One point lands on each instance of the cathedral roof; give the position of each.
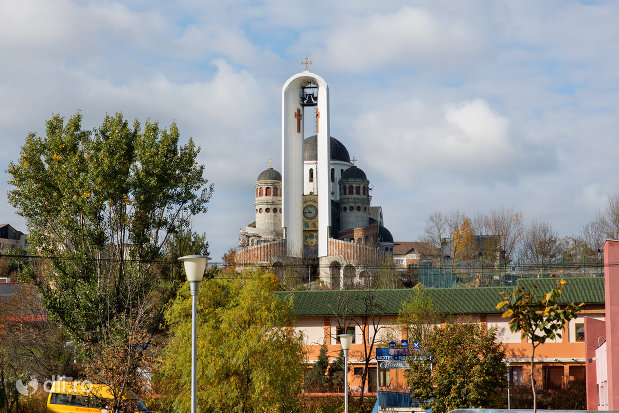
(269, 175)
(338, 150)
(384, 235)
(353, 173)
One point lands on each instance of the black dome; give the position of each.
(269, 175)
(353, 173)
(338, 150)
(384, 235)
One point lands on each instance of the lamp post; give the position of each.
(345, 342)
(194, 268)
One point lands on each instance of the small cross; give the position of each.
(270, 163)
(353, 160)
(299, 116)
(307, 62)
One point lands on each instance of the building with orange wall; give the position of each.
(323, 315)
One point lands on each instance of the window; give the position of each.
(348, 330)
(364, 190)
(268, 193)
(350, 190)
(59, 398)
(274, 191)
(267, 210)
(342, 190)
(358, 371)
(358, 190)
(275, 210)
(515, 375)
(261, 191)
(256, 191)
(399, 262)
(332, 174)
(311, 175)
(580, 332)
(358, 208)
(260, 210)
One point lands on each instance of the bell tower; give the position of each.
(303, 91)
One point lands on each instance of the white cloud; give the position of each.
(409, 36)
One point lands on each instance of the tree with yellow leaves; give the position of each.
(537, 317)
(465, 245)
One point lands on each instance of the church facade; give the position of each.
(316, 216)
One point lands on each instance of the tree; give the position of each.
(418, 315)
(360, 310)
(30, 345)
(249, 359)
(538, 317)
(541, 242)
(464, 368)
(436, 229)
(324, 376)
(465, 246)
(108, 210)
(506, 225)
(387, 278)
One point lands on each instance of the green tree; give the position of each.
(249, 357)
(316, 379)
(418, 314)
(538, 317)
(464, 368)
(104, 209)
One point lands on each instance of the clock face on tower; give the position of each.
(310, 211)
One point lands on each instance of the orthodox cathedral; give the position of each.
(316, 215)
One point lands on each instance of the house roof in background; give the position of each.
(423, 248)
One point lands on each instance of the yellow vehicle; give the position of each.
(76, 396)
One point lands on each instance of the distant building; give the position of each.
(407, 255)
(10, 238)
(316, 216)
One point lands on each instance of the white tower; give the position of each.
(302, 90)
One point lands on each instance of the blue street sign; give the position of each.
(404, 343)
(392, 344)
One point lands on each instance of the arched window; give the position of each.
(342, 190)
(332, 174)
(274, 191)
(350, 190)
(261, 191)
(358, 190)
(364, 190)
(359, 240)
(268, 191)
(256, 192)
(358, 208)
(311, 175)
(267, 210)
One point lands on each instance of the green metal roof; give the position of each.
(481, 300)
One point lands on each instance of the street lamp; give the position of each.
(345, 342)
(194, 268)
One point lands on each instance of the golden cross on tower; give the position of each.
(307, 62)
(270, 163)
(353, 160)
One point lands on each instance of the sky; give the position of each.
(447, 105)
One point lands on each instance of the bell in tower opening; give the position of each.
(309, 95)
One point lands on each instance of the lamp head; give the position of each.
(194, 266)
(345, 341)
